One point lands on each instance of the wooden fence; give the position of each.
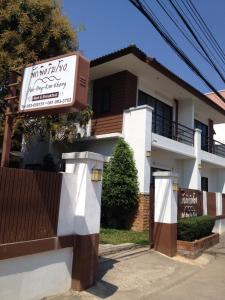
(190, 203)
(29, 204)
(211, 204)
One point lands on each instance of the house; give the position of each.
(169, 124)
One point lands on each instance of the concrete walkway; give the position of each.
(142, 274)
(218, 249)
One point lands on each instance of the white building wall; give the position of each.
(34, 277)
(186, 113)
(220, 133)
(212, 175)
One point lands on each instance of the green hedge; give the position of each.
(190, 229)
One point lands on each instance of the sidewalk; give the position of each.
(218, 248)
(142, 274)
(133, 274)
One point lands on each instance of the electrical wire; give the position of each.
(176, 7)
(147, 13)
(181, 29)
(205, 29)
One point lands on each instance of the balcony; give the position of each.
(214, 147)
(172, 130)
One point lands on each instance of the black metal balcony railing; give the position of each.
(172, 130)
(214, 147)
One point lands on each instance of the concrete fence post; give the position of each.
(219, 226)
(79, 213)
(219, 208)
(165, 227)
(205, 206)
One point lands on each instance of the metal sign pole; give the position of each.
(9, 120)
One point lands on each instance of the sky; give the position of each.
(110, 25)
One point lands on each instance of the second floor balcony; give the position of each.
(183, 134)
(212, 146)
(172, 130)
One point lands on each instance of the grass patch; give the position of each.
(115, 236)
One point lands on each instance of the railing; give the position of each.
(172, 130)
(218, 148)
(213, 146)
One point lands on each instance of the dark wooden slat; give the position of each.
(211, 204)
(29, 204)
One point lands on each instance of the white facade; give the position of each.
(154, 150)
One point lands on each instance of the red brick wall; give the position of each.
(139, 221)
(123, 86)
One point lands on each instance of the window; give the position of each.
(106, 100)
(204, 137)
(204, 184)
(162, 115)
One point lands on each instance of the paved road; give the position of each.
(142, 274)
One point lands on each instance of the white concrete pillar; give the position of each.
(219, 208)
(165, 227)
(79, 213)
(80, 203)
(137, 132)
(195, 179)
(205, 207)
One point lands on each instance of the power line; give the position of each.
(173, 45)
(181, 29)
(197, 21)
(207, 31)
(175, 6)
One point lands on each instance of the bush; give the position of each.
(194, 228)
(120, 187)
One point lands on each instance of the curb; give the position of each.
(119, 248)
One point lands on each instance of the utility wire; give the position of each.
(170, 42)
(181, 29)
(175, 6)
(207, 31)
(206, 36)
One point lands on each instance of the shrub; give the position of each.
(120, 186)
(190, 229)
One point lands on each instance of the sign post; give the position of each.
(53, 86)
(9, 119)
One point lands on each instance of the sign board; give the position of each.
(189, 203)
(56, 85)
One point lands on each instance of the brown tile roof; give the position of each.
(133, 49)
(214, 98)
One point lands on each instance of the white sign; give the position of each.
(49, 84)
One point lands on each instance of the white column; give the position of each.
(195, 180)
(205, 208)
(80, 202)
(219, 208)
(166, 197)
(165, 226)
(137, 132)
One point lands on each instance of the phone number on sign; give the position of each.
(46, 103)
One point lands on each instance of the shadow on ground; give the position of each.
(103, 289)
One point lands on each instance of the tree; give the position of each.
(32, 30)
(120, 186)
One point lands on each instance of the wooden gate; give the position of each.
(29, 204)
